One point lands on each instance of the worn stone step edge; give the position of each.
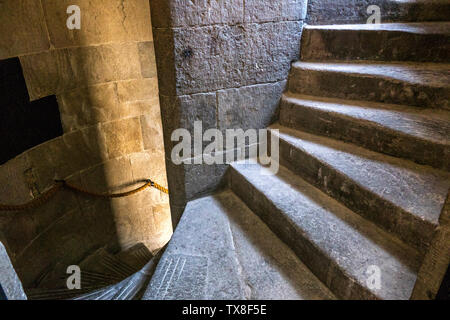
(328, 269)
(386, 213)
(330, 117)
(222, 250)
(412, 84)
(380, 42)
(132, 289)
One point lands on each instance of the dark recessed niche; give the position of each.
(23, 124)
(444, 291)
(2, 294)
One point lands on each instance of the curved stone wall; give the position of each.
(104, 77)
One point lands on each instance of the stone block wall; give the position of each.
(224, 63)
(324, 12)
(104, 78)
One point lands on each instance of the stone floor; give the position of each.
(222, 250)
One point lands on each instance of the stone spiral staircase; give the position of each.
(364, 135)
(364, 146)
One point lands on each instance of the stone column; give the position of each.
(104, 78)
(224, 63)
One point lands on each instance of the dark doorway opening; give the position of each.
(23, 124)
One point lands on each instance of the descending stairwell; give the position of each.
(364, 133)
(105, 276)
(364, 146)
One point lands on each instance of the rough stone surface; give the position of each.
(55, 71)
(152, 132)
(219, 57)
(210, 253)
(188, 13)
(123, 137)
(355, 11)
(380, 105)
(372, 184)
(101, 22)
(66, 248)
(26, 226)
(127, 289)
(141, 218)
(415, 84)
(336, 244)
(106, 276)
(191, 181)
(88, 106)
(382, 42)
(9, 281)
(16, 186)
(64, 156)
(147, 59)
(139, 90)
(22, 19)
(267, 11)
(104, 76)
(200, 240)
(252, 107)
(220, 62)
(165, 59)
(407, 132)
(203, 179)
(181, 113)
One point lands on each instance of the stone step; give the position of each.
(124, 290)
(340, 247)
(106, 276)
(136, 257)
(414, 84)
(103, 294)
(95, 275)
(380, 42)
(221, 250)
(59, 294)
(351, 11)
(101, 262)
(421, 135)
(402, 197)
(132, 288)
(128, 289)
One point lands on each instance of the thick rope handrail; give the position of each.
(62, 184)
(35, 203)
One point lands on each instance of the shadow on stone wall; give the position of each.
(105, 84)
